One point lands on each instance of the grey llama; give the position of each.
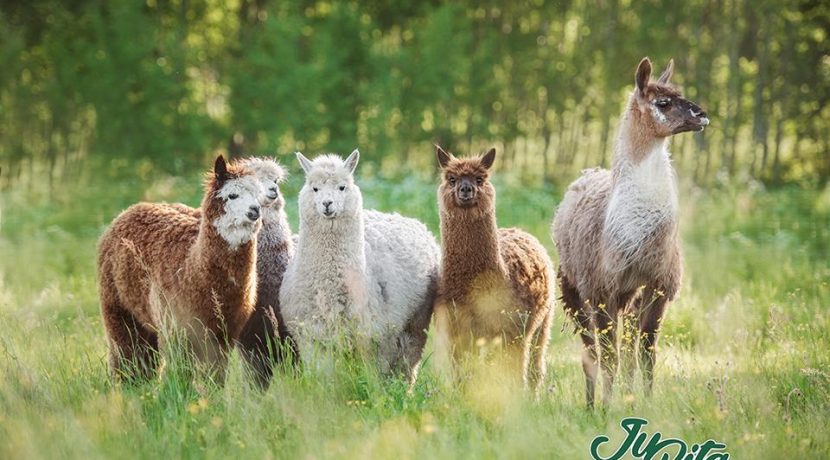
(616, 232)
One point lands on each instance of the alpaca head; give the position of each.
(270, 174)
(232, 202)
(659, 106)
(329, 192)
(464, 181)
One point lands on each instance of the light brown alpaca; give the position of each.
(616, 232)
(495, 284)
(160, 267)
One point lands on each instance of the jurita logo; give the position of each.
(638, 444)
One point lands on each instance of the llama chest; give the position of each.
(641, 214)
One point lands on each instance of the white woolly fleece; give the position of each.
(362, 271)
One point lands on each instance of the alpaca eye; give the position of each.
(233, 196)
(662, 103)
(479, 180)
(342, 187)
(314, 188)
(452, 181)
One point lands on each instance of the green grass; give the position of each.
(744, 358)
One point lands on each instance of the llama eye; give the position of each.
(233, 196)
(342, 187)
(314, 188)
(662, 103)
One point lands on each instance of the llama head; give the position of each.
(329, 191)
(660, 107)
(270, 174)
(465, 181)
(232, 202)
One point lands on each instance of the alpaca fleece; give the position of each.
(367, 275)
(495, 284)
(616, 233)
(159, 267)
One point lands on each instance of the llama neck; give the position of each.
(642, 167)
(643, 196)
(470, 245)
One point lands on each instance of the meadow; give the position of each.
(744, 356)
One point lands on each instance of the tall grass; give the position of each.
(743, 359)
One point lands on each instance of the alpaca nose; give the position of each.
(253, 212)
(326, 204)
(465, 190)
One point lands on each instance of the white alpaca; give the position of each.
(366, 276)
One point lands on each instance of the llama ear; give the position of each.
(220, 168)
(643, 74)
(305, 163)
(444, 158)
(664, 78)
(351, 162)
(488, 158)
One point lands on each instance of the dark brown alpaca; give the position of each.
(496, 284)
(616, 232)
(159, 268)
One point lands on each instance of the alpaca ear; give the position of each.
(488, 158)
(220, 168)
(351, 162)
(664, 78)
(444, 158)
(643, 74)
(305, 163)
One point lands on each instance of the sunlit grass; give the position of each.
(743, 358)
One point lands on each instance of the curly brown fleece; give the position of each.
(495, 284)
(156, 263)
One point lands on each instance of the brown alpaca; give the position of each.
(160, 267)
(616, 232)
(495, 284)
(265, 340)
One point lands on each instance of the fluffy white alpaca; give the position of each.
(365, 276)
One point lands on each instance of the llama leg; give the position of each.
(134, 352)
(651, 316)
(628, 347)
(576, 308)
(607, 341)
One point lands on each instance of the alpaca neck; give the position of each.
(338, 243)
(276, 231)
(470, 245)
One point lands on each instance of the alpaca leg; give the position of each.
(134, 352)
(651, 316)
(443, 347)
(540, 347)
(415, 338)
(259, 345)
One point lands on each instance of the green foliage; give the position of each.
(169, 81)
